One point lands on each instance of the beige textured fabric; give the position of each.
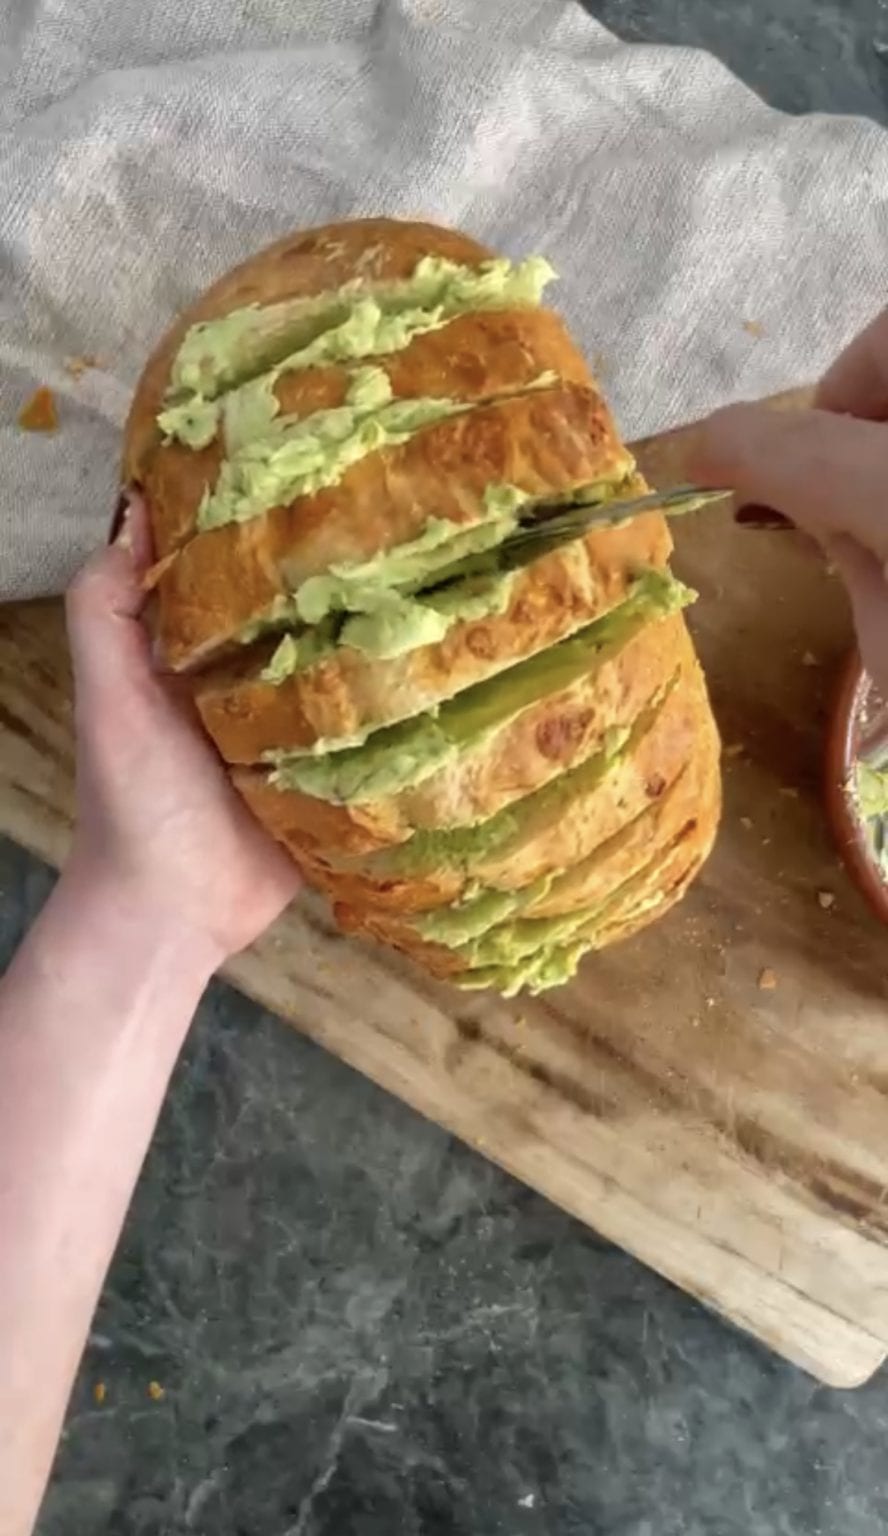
(144, 148)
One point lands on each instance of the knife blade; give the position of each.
(558, 524)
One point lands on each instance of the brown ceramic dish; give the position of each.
(855, 704)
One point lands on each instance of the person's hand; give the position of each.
(827, 470)
(157, 817)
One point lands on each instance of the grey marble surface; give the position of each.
(800, 55)
(362, 1329)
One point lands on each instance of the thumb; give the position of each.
(828, 473)
(867, 587)
(109, 645)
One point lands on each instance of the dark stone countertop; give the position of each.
(363, 1329)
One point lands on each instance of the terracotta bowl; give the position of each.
(854, 704)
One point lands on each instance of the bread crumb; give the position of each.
(734, 750)
(754, 328)
(767, 980)
(77, 366)
(789, 792)
(745, 821)
(826, 899)
(810, 660)
(100, 1392)
(39, 414)
(156, 1392)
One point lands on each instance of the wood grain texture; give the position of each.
(734, 1138)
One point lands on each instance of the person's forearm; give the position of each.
(93, 1012)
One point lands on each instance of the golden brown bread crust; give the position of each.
(548, 738)
(552, 441)
(678, 847)
(545, 443)
(550, 842)
(347, 692)
(690, 804)
(694, 797)
(301, 265)
(474, 357)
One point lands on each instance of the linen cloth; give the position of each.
(710, 247)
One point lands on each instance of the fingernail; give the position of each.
(118, 529)
(753, 515)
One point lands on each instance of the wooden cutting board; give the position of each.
(733, 1137)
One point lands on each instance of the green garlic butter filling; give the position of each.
(467, 848)
(470, 569)
(356, 321)
(293, 458)
(538, 954)
(403, 756)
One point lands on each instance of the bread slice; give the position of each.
(301, 266)
(691, 798)
(348, 693)
(549, 736)
(548, 831)
(475, 357)
(651, 897)
(621, 898)
(544, 443)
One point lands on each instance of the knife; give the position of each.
(556, 524)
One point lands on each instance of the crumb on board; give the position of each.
(746, 823)
(156, 1392)
(100, 1392)
(767, 980)
(789, 792)
(78, 366)
(754, 328)
(826, 900)
(39, 414)
(734, 750)
(810, 660)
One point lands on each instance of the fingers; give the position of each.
(857, 382)
(867, 588)
(828, 473)
(109, 645)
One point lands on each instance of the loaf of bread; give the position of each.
(495, 762)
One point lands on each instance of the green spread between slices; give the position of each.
(411, 595)
(444, 550)
(539, 973)
(482, 910)
(345, 325)
(465, 848)
(542, 953)
(520, 938)
(391, 624)
(404, 755)
(297, 457)
(273, 460)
